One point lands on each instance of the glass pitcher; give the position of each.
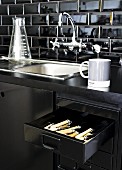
(19, 47)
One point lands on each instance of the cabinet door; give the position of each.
(17, 106)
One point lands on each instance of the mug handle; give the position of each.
(83, 64)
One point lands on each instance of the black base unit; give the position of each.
(70, 147)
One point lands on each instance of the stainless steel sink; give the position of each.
(56, 70)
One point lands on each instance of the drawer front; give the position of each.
(108, 146)
(50, 142)
(90, 167)
(84, 167)
(67, 163)
(102, 159)
(72, 148)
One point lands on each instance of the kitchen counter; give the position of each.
(76, 86)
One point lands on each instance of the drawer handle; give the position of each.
(48, 147)
(50, 142)
(60, 168)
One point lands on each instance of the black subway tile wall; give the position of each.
(32, 8)
(96, 21)
(15, 10)
(7, 1)
(3, 10)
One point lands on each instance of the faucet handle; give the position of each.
(55, 44)
(97, 48)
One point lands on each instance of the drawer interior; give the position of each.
(79, 150)
(85, 120)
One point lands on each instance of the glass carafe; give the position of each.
(19, 48)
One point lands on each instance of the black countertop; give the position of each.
(76, 86)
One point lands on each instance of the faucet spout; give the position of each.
(71, 21)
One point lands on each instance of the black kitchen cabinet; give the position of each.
(24, 113)
(67, 146)
(97, 154)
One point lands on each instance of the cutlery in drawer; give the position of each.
(58, 126)
(69, 130)
(81, 136)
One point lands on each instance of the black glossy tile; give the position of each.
(67, 31)
(48, 8)
(89, 5)
(111, 32)
(3, 30)
(117, 45)
(68, 6)
(117, 19)
(3, 10)
(32, 30)
(39, 42)
(48, 31)
(4, 50)
(7, 1)
(35, 42)
(15, 9)
(112, 5)
(34, 52)
(100, 19)
(91, 32)
(40, 0)
(43, 42)
(31, 8)
(23, 1)
(6, 40)
(7, 20)
(40, 19)
(53, 19)
(80, 19)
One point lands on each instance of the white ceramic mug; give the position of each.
(98, 72)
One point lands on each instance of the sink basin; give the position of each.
(56, 70)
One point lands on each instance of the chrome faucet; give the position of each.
(71, 44)
(71, 21)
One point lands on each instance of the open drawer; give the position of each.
(76, 149)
